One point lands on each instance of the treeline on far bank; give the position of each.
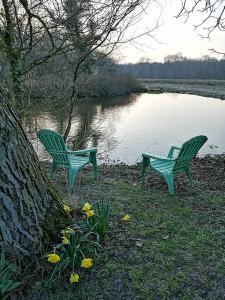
(177, 67)
(51, 82)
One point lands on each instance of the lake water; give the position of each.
(124, 127)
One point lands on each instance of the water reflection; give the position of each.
(89, 127)
(124, 127)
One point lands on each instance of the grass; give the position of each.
(171, 248)
(206, 88)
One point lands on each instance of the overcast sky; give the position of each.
(173, 36)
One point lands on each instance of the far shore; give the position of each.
(205, 88)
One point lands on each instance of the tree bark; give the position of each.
(30, 209)
(13, 54)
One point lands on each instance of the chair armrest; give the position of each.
(82, 151)
(157, 157)
(170, 154)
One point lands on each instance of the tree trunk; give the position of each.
(13, 54)
(30, 209)
(69, 123)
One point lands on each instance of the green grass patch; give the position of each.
(171, 248)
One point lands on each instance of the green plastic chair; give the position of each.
(167, 166)
(63, 157)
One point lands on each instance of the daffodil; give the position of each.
(66, 208)
(67, 231)
(86, 207)
(126, 218)
(53, 258)
(89, 213)
(86, 263)
(65, 240)
(74, 277)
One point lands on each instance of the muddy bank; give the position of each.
(207, 172)
(205, 88)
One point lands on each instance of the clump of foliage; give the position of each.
(80, 242)
(7, 270)
(76, 246)
(99, 222)
(110, 84)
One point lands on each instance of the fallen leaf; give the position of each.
(139, 243)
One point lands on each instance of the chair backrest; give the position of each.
(189, 150)
(54, 144)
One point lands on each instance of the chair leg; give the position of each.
(72, 177)
(170, 183)
(53, 169)
(145, 163)
(188, 173)
(93, 160)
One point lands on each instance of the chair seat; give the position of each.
(78, 161)
(162, 166)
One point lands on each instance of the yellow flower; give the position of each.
(74, 277)
(66, 208)
(67, 231)
(63, 232)
(53, 258)
(86, 207)
(126, 218)
(65, 240)
(89, 213)
(86, 263)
